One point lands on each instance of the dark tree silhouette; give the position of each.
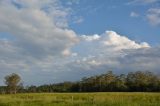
(139, 81)
(12, 81)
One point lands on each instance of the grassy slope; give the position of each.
(81, 99)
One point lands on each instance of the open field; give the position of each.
(81, 99)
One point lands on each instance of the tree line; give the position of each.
(139, 81)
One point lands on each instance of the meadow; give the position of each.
(81, 99)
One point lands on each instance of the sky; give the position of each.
(50, 41)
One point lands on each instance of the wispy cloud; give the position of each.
(134, 14)
(153, 16)
(72, 2)
(142, 2)
(78, 20)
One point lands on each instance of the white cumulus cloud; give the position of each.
(90, 37)
(34, 29)
(119, 42)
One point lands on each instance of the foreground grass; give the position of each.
(81, 99)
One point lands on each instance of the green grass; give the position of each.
(81, 99)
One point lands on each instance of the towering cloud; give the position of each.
(121, 42)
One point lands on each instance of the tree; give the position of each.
(120, 83)
(12, 81)
(109, 79)
(142, 81)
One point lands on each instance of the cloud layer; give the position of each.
(43, 49)
(38, 34)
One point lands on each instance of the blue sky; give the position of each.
(101, 15)
(48, 41)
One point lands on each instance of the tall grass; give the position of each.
(81, 99)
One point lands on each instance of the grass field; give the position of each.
(81, 99)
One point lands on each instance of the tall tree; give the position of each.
(12, 81)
